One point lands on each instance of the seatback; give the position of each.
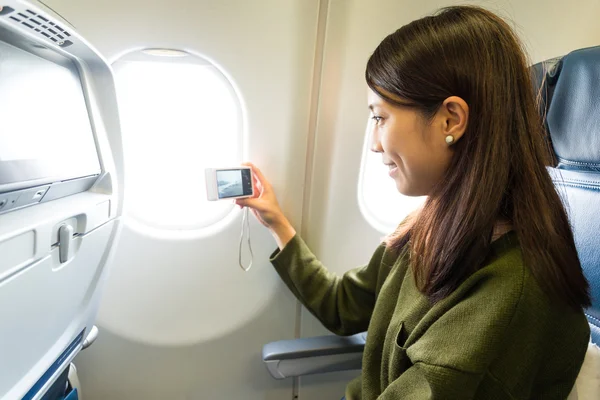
(570, 91)
(59, 221)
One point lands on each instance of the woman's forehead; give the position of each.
(382, 97)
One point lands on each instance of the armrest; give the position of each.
(289, 358)
(90, 338)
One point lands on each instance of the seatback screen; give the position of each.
(45, 130)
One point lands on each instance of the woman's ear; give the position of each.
(455, 114)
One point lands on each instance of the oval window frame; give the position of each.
(142, 227)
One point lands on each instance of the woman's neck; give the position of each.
(502, 226)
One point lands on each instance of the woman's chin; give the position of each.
(407, 190)
(402, 187)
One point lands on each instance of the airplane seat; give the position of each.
(570, 90)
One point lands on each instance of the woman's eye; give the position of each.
(376, 118)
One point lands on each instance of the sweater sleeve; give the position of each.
(343, 304)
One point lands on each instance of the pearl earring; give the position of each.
(449, 139)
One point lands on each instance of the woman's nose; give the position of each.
(376, 143)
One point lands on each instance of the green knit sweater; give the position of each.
(495, 337)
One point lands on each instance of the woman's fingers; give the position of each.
(263, 204)
(258, 188)
(258, 174)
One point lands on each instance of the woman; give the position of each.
(479, 294)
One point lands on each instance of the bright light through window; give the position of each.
(177, 118)
(381, 203)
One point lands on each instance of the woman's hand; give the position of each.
(266, 209)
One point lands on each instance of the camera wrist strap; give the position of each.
(245, 227)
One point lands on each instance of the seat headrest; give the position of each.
(572, 107)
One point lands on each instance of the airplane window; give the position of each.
(379, 200)
(179, 115)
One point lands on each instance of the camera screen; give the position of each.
(234, 183)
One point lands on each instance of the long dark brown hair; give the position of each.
(498, 170)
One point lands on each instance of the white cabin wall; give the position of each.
(335, 228)
(179, 319)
